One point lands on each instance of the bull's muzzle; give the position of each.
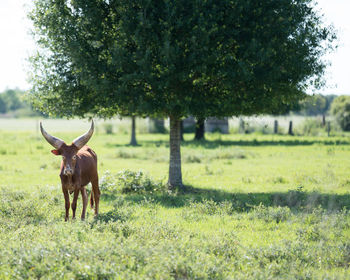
(68, 171)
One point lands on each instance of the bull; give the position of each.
(78, 168)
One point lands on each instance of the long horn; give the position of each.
(83, 139)
(55, 142)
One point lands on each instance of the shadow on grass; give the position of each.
(212, 144)
(257, 142)
(295, 199)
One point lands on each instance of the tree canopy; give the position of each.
(175, 57)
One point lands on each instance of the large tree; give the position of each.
(175, 58)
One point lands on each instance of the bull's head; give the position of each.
(68, 152)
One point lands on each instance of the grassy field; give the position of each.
(254, 207)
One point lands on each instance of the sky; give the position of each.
(16, 45)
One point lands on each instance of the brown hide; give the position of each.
(85, 165)
(84, 171)
(78, 168)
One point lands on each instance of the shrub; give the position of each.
(311, 127)
(257, 128)
(108, 183)
(231, 154)
(128, 181)
(126, 154)
(108, 127)
(131, 181)
(210, 207)
(193, 159)
(269, 214)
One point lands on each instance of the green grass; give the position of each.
(254, 207)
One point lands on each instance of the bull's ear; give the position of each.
(56, 152)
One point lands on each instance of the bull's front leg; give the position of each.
(85, 202)
(66, 202)
(74, 203)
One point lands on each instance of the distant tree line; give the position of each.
(314, 105)
(14, 104)
(336, 106)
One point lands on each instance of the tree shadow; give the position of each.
(213, 144)
(260, 142)
(241, 202)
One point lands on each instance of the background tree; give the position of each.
(340, 109)
(313, 105)
(199, 129)
(317, 104)
(175, 58)
(11, 100)
(329, 100)
(3, 106)
(13, 103)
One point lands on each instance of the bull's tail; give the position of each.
(92, 199)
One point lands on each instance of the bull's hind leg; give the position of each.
(96, 191)
(85, 202)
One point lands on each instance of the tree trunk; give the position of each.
(182, 130)
(328, 128)
(275, 127)
(133, 141)
(323, 119)
(290, 129)
(175, 176)
(199, 134)
(241, 128)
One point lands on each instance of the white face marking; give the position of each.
(69, 161)
(68, 170)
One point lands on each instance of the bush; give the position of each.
(193, 159)
(311, 127)
(108, 127)
(128, 181)
(138, 182)
(271, 214)
(108, 183)
(257, 128)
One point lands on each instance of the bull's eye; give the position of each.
(74, 157)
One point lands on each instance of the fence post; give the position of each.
(275, 127)
(241, 126)
(290, 129)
